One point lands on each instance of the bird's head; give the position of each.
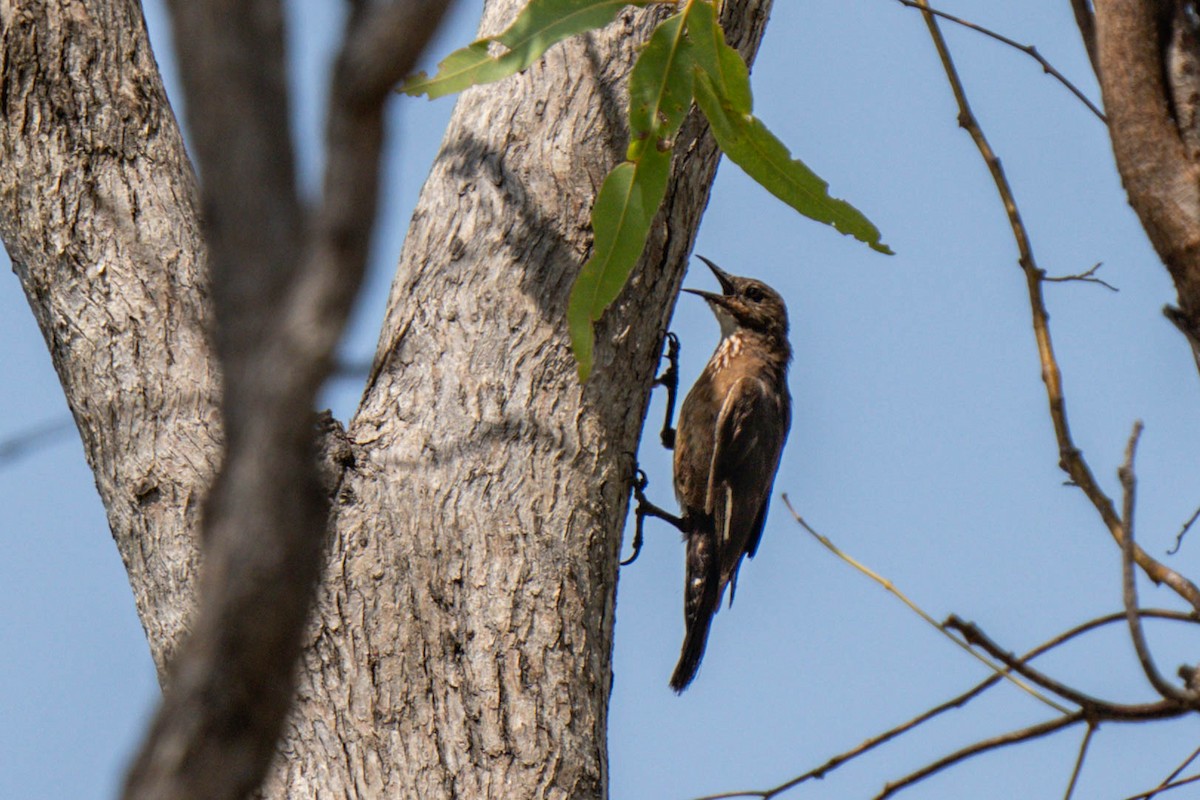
(745, 303)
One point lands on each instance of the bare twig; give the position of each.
(1166, 787)
(1083, 748)
(1129, 585)
(1183, 532)
(1095, 707)
(1084, 277)
(1070, 458)
(1027, 49)
(1013, 737)
(955, 702)
(1167, 781)
(1117, 616)
(870, 744)
(920, 612)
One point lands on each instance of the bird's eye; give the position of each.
(754, 294)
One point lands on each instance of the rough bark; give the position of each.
(1146, 56)
(462, 645)
(98, 210)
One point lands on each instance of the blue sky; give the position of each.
(920, 441)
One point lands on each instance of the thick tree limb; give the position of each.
(99, 212)
(1161, 176)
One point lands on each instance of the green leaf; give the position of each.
(660, 87)
(541, 24)
(748, 143)
(723, 65)
(621, 219)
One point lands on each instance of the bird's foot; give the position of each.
(643, 509)
(670, 379)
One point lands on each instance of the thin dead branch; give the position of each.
(986, 745)
(1083, 748)
(1070, 458)
(956, 702)
(1027, 49)
(1167, 782)
(1166, 787)
(1156, 711)
(916, 609)
(1095, 707)
(23, 442)
(1183, 532)
(1129, 585)
(1083, 277)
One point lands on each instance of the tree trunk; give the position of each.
(462, 642)
(463, 645)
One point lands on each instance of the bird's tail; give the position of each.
(700, 601)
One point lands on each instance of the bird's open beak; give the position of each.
(722, 276)
(725, 281)
(716, 298)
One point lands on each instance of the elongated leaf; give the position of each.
(748, 143)
(621, 219)
(723, 65)
(540, 24)
(660, 86)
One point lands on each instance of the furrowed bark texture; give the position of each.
(462, 643)
(1147, 67)
(463, 646)
(98, 211)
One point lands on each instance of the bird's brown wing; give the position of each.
(747, 443)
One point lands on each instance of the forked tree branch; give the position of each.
(1100, 708)
(1027, 49)
(1070, 458)
(1166, 787)
(1095, 707)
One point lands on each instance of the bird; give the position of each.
(731, 432)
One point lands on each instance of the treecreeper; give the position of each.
(731, 432)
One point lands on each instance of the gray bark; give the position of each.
(462, 642)
(98, 211)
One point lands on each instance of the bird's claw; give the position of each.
(670, 379)
(640, 482)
